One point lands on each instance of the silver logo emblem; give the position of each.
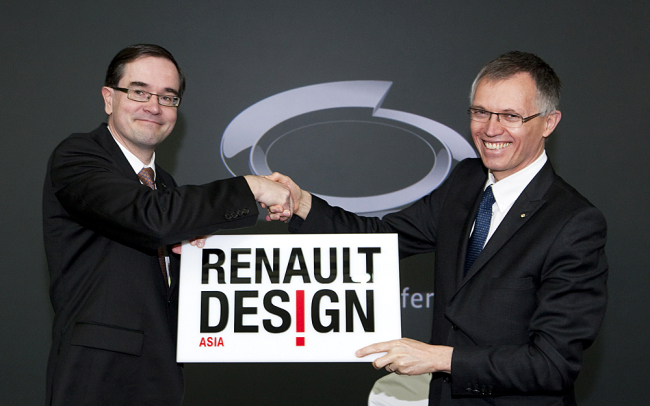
(244, 133)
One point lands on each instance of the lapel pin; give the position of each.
(523, 215)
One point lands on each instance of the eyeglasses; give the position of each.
(142, 96)
(506, 119)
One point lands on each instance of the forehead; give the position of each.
(517, 92)
(155, 72)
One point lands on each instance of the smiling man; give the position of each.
(504, 143)
(520, 267)
(110, 217)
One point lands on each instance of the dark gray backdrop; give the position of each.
(54, 56)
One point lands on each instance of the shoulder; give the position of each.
(96, 140)
(82, 154)
(567, 205)
(470, 166)
(468, 175)
(562, 192)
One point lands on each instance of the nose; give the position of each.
(493, 126)
(152, 105)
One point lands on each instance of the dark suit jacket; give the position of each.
(114, 330)
(531, 303)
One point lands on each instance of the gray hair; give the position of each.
(547, 83)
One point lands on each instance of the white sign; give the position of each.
(288, 298)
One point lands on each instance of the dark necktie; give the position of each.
(146, 177)
(481, 228)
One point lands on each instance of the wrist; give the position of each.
(254, 185)
(445, 359)
(304, 206)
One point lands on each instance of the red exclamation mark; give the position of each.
(300, 317)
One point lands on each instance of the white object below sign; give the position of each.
(288, 298)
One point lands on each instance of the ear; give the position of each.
(552, 121)
(107, 94)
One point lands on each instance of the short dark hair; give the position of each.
(547, 83)
(115, 70)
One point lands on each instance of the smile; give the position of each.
(496, 145)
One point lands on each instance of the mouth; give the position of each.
(149, 122)
(496, 145)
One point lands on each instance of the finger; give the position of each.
(278, 177)
(375, 348)
(382, 362)
(176, 249)
(200, 241)
(276, 209)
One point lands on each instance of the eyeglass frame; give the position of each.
(125, 90)
(523, 119)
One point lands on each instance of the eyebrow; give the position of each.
(474, 106)
(142, 84)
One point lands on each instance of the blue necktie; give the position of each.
(481, 228)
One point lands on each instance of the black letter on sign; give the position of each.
(296, 253)
(368, 322)
(221, 258)
(235, 265)
(317, 266)
(333, 313)
(205, 311)
(346, 266)
(369, 264)
(273, 309)
(240, 311)
(260, 257)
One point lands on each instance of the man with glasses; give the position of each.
(520, 268)
(110, 216)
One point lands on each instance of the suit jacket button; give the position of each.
(228, 216)
(454, 327)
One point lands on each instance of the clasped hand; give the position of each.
(271, 194)
(300, 200)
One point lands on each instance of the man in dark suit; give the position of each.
(110, 215)
(511, 320)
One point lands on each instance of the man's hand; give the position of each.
(301, 199)
(410, 357)
(271, 194)
(198, 241)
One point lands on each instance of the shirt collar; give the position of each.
(507, 190)
(136, 164)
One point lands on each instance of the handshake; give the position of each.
(280, 196)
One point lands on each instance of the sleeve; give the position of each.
(571, 305)
(96, 193)
(415, 225)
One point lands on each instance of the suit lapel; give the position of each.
(463, 240)
(524, 208)
(104, 138)
(163, 182)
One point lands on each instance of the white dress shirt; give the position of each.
(506, 191)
